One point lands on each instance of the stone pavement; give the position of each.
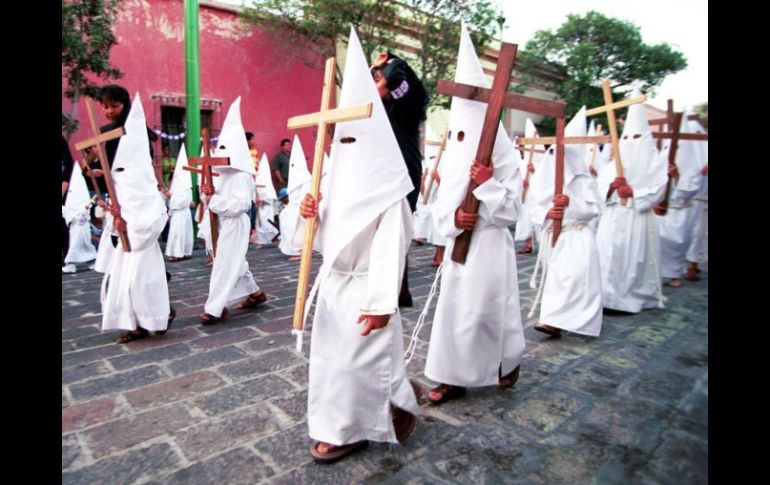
(226, 404)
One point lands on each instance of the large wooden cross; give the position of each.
(609, 108)
(496, 98)
(322, 120)
(675, 136)
(206, 162)
(98, 140)
(441, 144)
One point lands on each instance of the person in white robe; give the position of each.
(698, 251)
(298, 185)
(358, 388)
(77, 215)
(526, 230)
(476, 338)
(597, 156)
(266, 230)
(179, 243)
(570, 289)
(627, 237)
(134, 291)
(231, 279)
(675, 227)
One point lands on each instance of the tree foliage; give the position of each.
(310, 30)
(87, 38)
(591, 48)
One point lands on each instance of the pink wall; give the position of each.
(235, 59)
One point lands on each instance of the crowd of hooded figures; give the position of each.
(615, 248)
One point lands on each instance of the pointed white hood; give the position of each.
(642, 166)
(232, 142)
(542, 182)
(466, 119)
(299, 176)
(132, 171)
(182, 180)
(77, 196)
(367, 173)
(267, 191)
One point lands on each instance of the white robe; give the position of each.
(629, 252)
(179, 242)
(135, 290)
(572, 292)
(231, 279)
(698, 252)
(204, 228)
(104, 254)
(265, 231)
(477, 324)
(81, 250)
(675, 230)
(289, 219)
(353, 380)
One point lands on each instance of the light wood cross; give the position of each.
(441, 143)
(609, 108)
(206, 162)
(98, 140)
(322, 120)
(496, 98)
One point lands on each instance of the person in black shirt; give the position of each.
(406, 102)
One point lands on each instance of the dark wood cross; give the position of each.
(610, 107)
(675, 136)
(98, 141)
(496, 98)
(560, 142)
(206, 162)
(322, 119)
(441, 144)
(666, 120)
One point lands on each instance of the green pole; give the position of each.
(192, 87)
(192, 78)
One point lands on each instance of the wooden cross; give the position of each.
(98, 141)
(321, 119)
(566, 140)
(666, 120)
(206, 162)
(84, 166)
(441, 143)
(532, 150)
(675, 136)
(609, 108)
(496, 98)
(595, 149)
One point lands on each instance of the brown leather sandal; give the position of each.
(208, 319)
(132, 335)
(336, 452)
(447, 392)
(510, 379)
(254, 300)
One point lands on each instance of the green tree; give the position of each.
(319, 25)
(589, 49)
(87, 37)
